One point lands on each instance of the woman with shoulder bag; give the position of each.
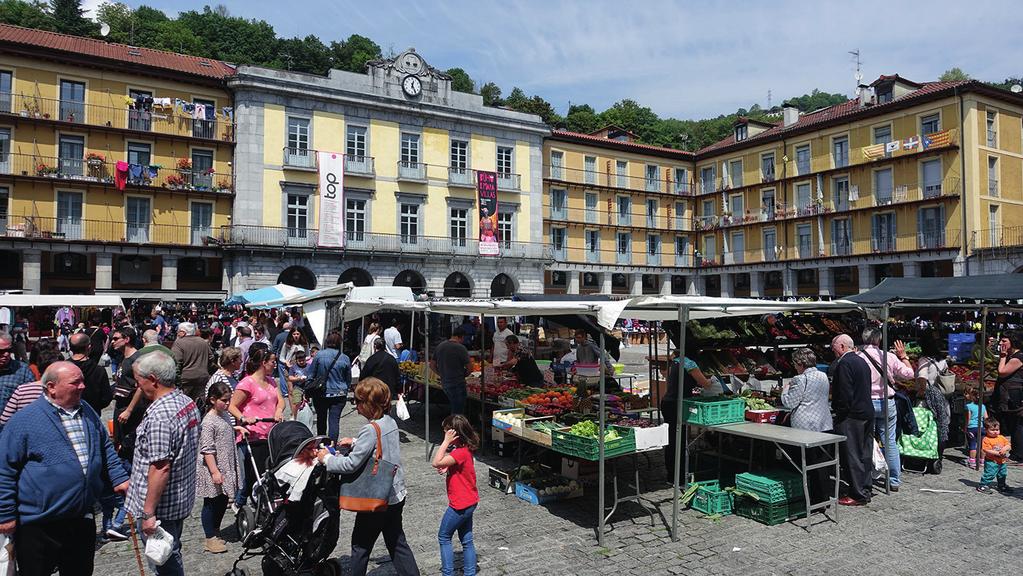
(1009, 399)
(373, 401)
(930, 373)
(330, 376)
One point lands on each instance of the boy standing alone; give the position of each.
(995, 448)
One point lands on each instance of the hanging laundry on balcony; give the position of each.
(892, 146)
(121, 174)
(873, 152)
(210, 112)
(135, 172)
(943, 138)
(911, 143)
(199, 111)
(228, 113)
(128, 100)
(152, 172)
(162, 102)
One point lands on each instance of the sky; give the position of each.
(687, 60)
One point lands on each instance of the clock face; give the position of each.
(412, 86)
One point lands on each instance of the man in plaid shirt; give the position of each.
(166, 452)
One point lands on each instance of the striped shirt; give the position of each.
(22, 397)
(75, 428)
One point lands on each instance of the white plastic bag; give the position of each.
(401, 408)
(356, 372)
(880, 464)
(159, 546)
(715, 388)
(7, 562)
(307, 416)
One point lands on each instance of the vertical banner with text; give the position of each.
(332, 220)
(486, 186)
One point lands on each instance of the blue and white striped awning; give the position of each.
(278, 292)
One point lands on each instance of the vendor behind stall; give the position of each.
(521, 363)
(693, 379)
(562, 362)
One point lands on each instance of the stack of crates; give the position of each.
(770, 498)
(712, 500)
(960, 345)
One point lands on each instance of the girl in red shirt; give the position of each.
(454, 459)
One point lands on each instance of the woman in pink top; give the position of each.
(257, 396)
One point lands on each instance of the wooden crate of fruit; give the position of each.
(539, 436)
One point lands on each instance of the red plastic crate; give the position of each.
(763, 416)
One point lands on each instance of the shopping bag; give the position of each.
(401, 408)
(369, 489)
(7, 563)
(880, 464)
(159, 546)
(307, 416)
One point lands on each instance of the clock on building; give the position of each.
(412, 86)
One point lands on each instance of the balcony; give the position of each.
(558, 212)
(653, 259)
(299, 158)
(165, 121)
(284, 237)
(104, 231)
(411, 171)
(841, 248)
(842, 160)
(932, 191)
(998, 237)
(614, 180)
(931, 239)
(653, 185)
(992, 138)
(592, 255)
(508, 181)
(462, 177)
(102, 172)
(992, 187)
(359, 165)
(623, 256)
(559, 252)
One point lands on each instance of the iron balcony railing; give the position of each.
(105, 231)
(170, 121)
(461, 177)
(299, 157)
(359, 165)
(415, 171)
(997, 237)
(301, 237)
(508, 181)
(663, 184)
(102, 171)
(992, 187)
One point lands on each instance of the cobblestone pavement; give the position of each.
(907, 532)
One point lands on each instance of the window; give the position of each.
(651, 213)
(69, 215)
(992, 131)
(680, 215)
(735, 173)
(707, 179)
(5, 152)
(207, 127)
(740, 132)
(624, 247)
(840, 151)
(355, 219)
(930, 124)
(459, 163)
(993, 225)
(592, 246)
(885, 93)
(557, 164)
(652, 183)
(140, 154)
(591, 200)
(736, 206)
(803, 159)
(590, 167)
(298, 216)
(140, 119)
(681, 181)
(710, 248)
(409, 149)
(137, 216)
(882, 134)
(804, 240)
(558, 199)
(355, 141)
(770, 243)
(738, 247)
(5, 197)
(840, 193)
(558, 242)
(653, 249)
(767, 167)
(681, 250)
(202, 169)
(803, 198)
(459, 227)
(992, 176)
(882, 232)
(931, 172)
(767, 203)
(72, 155)
(298, 137)
(624, 211)
(408, 223)
(622, 173)
(505, 226)
(883, 187)
(841, 241)
(931, 227)
(202, 221)
(707, 213)
(6, 85)
(504, 160)
(72, 101)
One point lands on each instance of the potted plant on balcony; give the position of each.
(44, 170)
(223, 185)
(184, 163)
(95, 159)
(175, 181)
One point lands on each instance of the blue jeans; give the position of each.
(457, 395)
(213, 510)
(174, 565)
(886, 435)
(992, 470)
(328, 414)
(460, 520)
(114, 500)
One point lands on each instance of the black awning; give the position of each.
(994, 289)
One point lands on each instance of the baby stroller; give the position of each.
(921, 449)
(294, 536)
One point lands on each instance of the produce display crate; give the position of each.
(518, 412)
(772, 487)
(763, 416)
(535, 435)
(589, 449)
(712, 500)
(713, 410)
(654, 437)
(770, 514)
(528, 492)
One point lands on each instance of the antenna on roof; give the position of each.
(859, 74)
(104, 29)
(769, 99)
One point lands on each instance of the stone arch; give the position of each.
(411, 278)
(357, 276)
(298, 276)
(457, 285)
(503, 286)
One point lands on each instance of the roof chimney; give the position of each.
(790, 114)
(863, 92)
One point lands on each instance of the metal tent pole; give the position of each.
(982, 388)
(683, 318)
(884, 392)
(654, 333)
(600, 445)
(483, 391)
(426, 385)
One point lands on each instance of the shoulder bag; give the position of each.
(368, 489)
(319, 385)
(946, 380)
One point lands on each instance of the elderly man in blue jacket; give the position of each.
(56, 460)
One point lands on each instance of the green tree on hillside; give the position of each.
(491, 94)
(233, 39)
(69, 18)
(460, 80)
(954, 75)
(28, 14)
(302, 55)
(353, 53)
(582, 118)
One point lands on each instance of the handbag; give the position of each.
(946, 381)
(369, 489)
(319, 385)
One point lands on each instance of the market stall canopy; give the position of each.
(264, 294)
(700, 307)
(992, 289)
(297, 299)
(55, 300)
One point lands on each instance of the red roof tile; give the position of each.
(16, 36)
(847, 111)
(623, 145)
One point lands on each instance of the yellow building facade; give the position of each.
(109, 179)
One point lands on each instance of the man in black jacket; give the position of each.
(382, 365)
(854, 419)
(98, 392)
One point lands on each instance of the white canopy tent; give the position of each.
(54, 300)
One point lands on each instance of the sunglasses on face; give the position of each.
(5, 350)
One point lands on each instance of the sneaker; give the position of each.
(984, 489)
(116, 534)
(970, 462)
(215, 546)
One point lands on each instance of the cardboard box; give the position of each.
(501, 480)
(578, 469)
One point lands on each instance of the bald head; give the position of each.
(841, 344)
(64, 384)
(80, 343)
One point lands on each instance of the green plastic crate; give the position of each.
(711, 500)
(770, 514)
(589, 449)
(713, 410)
(772, 487)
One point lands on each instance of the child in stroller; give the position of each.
(295, 516)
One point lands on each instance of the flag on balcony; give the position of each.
(943, 138)
(486, 188)
(892, 146)
(873, 152)
(910, 143)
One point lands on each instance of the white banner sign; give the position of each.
(332, 221)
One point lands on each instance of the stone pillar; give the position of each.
(866, 277)
(756, 284)
(637, 284)
(605, 283)
(665, 284)
(826, 282)
(910, 269)
(788, 283)
(696, 285)
(104, 271)
(573, 282)
(31, 271)
(169, 277)
(726, 285)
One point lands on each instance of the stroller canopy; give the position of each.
(285, 440)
